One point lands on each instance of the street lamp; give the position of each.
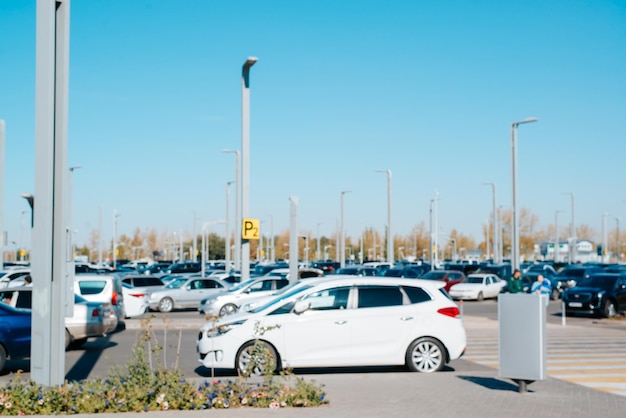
(227, 240)
(237, 254)
(604, 235)
(453, 241)
(205, 243)
(31, 202)
(432, 241)
(245, 161)
(390, 255)
(618, 246)
(495, 246)
(342, 238)
(317, 252)
(515, 234)
(326, 247)
(572, 231)
(556, 235)
(115, 216)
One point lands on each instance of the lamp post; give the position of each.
(494, 221)
(342, 238)
(237, 255)
(432, 241)
(390, 255)
(604, 235)
(326, 247)
(22, 244)
(317, 252)
(453, 241)
(572, 231)
(205, 243)
(227, 240)
(556, 235)
(618, 244)
(245, 161)
(515, 259)
(115, 216)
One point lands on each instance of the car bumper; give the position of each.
(213, 354)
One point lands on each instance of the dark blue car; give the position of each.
(14, 333)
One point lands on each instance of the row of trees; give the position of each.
(166, 246)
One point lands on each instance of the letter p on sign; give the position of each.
(250, 228)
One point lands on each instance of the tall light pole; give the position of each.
(390, 255)
(227, 240)
(2, 142)
(618, 244)
(572, 231)
(205, 244)
(237, 255)
(432, 241)
(342, 238)
(245, 162)
(317, 253)
(115, 216)
(604, 235)
(494, 221)
(556, 235)
(515, 259)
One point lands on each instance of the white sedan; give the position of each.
(478, 286)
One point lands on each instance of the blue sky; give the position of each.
(425, 89)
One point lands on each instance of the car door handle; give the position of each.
(341, 322)
(406, 318)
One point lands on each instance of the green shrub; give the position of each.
(140, 387)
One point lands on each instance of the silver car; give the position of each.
(185, 292)
(90, 319)
(229, 302)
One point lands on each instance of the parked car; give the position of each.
(90, 319)
(303, 273)
(13, 277)
(103, 288)
(185, 292)
(263, 269)
(402, 272)
(572, 274)
(184, 267)
(229, 302)
(449, 277)
(136, 301)
(478, 286)
(602, 294)
(15, 325)
(344, 321)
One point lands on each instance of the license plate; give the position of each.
(575, 304)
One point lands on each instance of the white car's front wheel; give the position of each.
(256, 358)
(425, 355)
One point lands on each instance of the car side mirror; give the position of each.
(301, 306)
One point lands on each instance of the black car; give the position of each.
(184, 267)
(602, 294)
(570, 275)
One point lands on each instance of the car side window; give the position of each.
(378, 296)
(91, 287)
(329, 299)
(416, 294)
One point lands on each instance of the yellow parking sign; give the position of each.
(250, 228)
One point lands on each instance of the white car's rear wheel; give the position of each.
(425, 355)
(166, 305)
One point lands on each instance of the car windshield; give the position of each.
(433, 275)
(280, 297)
(176, 283)
(572, 273)
(603, 282)
(474, 280)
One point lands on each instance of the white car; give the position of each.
(136, 301)
(342, 321)
(477, 286)
(229, 302)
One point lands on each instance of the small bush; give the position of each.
(141, 387)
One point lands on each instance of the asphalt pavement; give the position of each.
(463, 389)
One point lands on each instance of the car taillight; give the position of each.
(95, 313)
(138, 295)
(451, 311)
(114, 298)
